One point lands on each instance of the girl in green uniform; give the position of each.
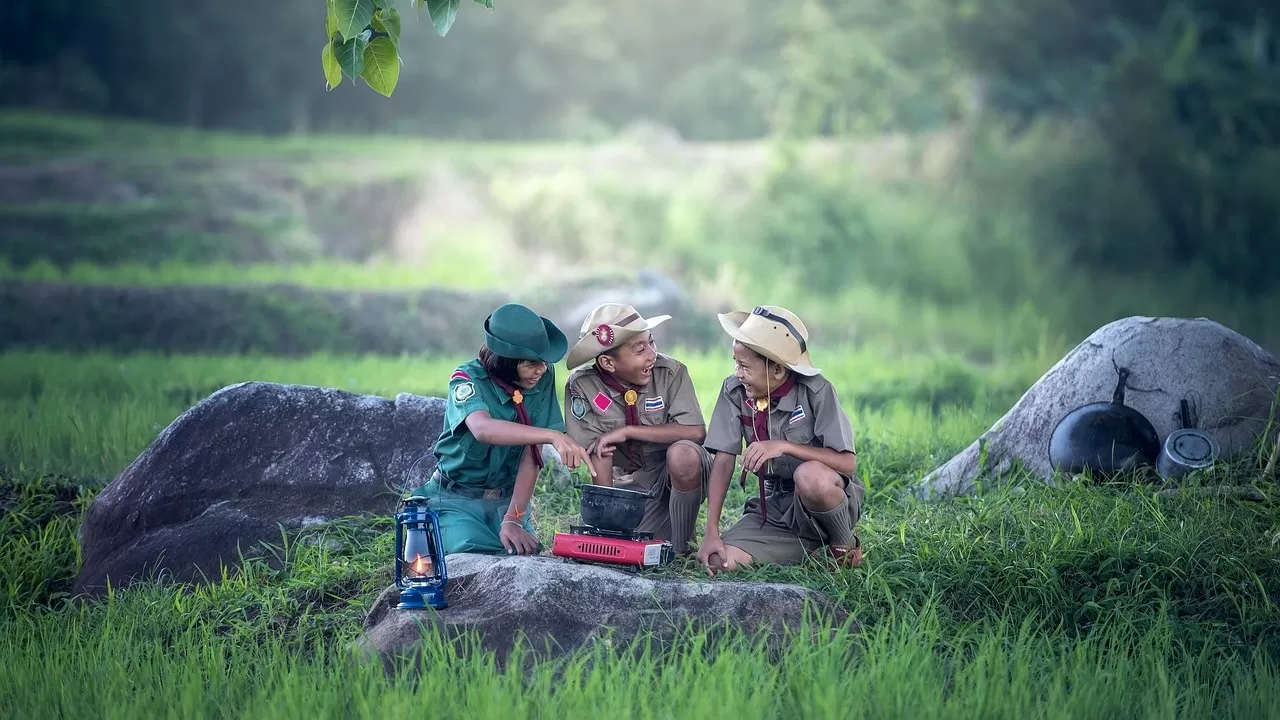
(502, 407)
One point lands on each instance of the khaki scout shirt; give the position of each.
(810, 414)
(592, 409)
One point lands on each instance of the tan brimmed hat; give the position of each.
(775, 333)
(607, 327)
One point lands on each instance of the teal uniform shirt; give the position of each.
(472, 491)
(469, 463)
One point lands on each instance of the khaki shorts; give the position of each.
(657, 512)
(791, 531)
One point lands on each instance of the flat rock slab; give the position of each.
(557, 606)
(245, 462)
(1230, 381)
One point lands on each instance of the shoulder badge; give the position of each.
(459, 375)
(463, 391)
(578, 406)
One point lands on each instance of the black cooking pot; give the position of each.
(610, 508)
(1104, 438)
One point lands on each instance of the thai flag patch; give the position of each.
(654, 404)
(796, 415)
(459, 375)
(601, 401)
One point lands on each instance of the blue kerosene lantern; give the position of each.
(420, 569)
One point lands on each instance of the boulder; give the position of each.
(556, 606)
(1230, 382)
(243, 463)
(649, 291)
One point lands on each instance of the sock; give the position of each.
(836, 522)
(684, 515)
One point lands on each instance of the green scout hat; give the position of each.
(515, 331)
(774, 332)
(606, 327)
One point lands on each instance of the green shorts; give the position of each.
(657, 511)
(471, 524)
(791, 530)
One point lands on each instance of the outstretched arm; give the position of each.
(757, 453)
(717, 489)
(492, 431)
(526, 477)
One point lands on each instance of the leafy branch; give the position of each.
(363, 39)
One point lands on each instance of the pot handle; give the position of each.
(1118, 396)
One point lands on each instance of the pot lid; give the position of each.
(1192, 447)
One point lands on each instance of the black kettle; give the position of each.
(1104, 438)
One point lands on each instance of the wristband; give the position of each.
(513, 522)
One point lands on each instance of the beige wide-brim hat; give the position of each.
(606, 327)
(774, 332)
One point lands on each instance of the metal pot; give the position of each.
(1104, 438)
(1186, 450)
(611, 508)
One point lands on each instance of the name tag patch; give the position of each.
(654, 404)
(601, 401)
(796, 415)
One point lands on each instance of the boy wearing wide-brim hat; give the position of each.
(501, 408)
(799, 444)
(636, 411)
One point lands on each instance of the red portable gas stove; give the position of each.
(593, 545)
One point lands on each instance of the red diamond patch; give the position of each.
(601, 401)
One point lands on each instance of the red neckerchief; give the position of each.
(758, 420)
(629, 399)
(517, 398)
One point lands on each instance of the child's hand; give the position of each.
(760, 452)
(571, 453)
(607, 442)
(711, 553)
(516, 539)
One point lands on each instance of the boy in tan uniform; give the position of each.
(636, 412)
(799, 445)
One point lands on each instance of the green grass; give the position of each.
(89, 416)
(1021, 601)
(483, 271)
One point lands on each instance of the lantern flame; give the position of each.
(421, 565)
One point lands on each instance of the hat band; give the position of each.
(762, 312)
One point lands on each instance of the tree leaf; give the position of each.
(388, 21)
(353, 16)
(351, 56)
(381, 66)
(443, 13)
(332, 71)
(486, 3)
(331, 22)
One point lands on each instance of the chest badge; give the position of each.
(654, 404)
(602, 402)
(796, 415)
(578, 406)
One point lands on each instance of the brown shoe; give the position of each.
(843, 557)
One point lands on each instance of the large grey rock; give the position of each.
(249, 459)
(557, 606)
(649, 291)
(1230, 381)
